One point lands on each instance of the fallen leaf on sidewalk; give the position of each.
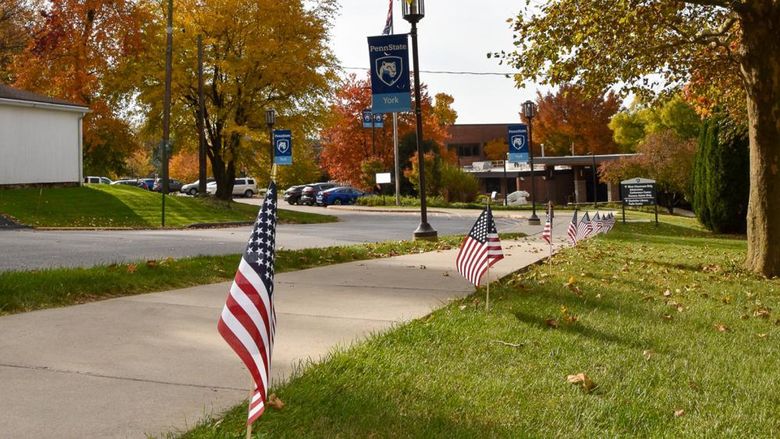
(583, 380)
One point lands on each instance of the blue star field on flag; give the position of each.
(260, 249)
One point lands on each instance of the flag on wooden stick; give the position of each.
(547, 232)
(480, 249)
(248, 320)
(571, 232)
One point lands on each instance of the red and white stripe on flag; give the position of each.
(480, 249)
(248, 319)
(571, 232)
(547, 232)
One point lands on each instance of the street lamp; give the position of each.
(413, 11)
(270, 120)
(529, 111)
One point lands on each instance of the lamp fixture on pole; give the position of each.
(413, 11)
(529, 111)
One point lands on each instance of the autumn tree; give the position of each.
(17, 19)
(705, 43)
(571, 122)
(442, 109)
(630, 126)
(75, 54)
(347, 145)
(258, 55)
(496, 149)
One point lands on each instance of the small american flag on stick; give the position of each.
(480, 250)
(547, 232)
(571, 232)
(248, 321)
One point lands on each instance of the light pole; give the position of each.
(413, 11)
(270, 120)
(529, 111)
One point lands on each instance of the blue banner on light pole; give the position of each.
(282, 147)
(517, 137)
(378, 120)
(390, 85)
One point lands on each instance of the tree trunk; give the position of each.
(761, 72)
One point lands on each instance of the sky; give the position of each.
(454, 35)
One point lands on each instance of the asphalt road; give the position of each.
(33, 249)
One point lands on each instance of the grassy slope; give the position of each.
(124, 206)
(650, 352)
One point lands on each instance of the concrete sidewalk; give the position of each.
(154, 363)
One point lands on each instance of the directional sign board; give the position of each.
(282, 147)
(517, 137)
(638, 192)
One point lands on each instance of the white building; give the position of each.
(40, 139)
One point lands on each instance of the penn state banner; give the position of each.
(517, 137)
(282, 147)
(390, 85)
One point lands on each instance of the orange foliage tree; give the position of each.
(569, 121)
(74, 55)
(347, 145)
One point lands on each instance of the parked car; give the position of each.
(173, 185)
(146, 183)
(241, 186)
(192, 188)
(339, 195)
(132, 182)
(97, 180)
(293, 194)
(309, 193)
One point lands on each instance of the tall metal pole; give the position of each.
(506, 183)
(201, 122)
(533, 220)
(424, 230)
(397, 164)
(167, 106)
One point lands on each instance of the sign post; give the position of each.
(383, 178)
(638, 192)
(282, 147)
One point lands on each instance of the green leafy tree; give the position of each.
(704, 43)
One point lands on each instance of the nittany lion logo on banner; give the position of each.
(282, 146)
(389, 69)
(518, 142)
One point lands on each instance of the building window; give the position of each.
(465, 149)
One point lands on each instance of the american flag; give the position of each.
(547, 232)
(389, 22)
(571, 232)
(609, 223)
(598, 224)
(480, 250)
(585, 228)
(248, 321)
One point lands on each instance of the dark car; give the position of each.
(132, 182)
(309, 193)
(339, 195)
(146, 183)
(173, 185)
(293, 194)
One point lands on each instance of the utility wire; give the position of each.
(447, 72)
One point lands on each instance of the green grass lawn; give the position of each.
(22, 291)
(677, 339)
(125, 206)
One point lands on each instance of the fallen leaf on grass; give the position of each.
(667, 293)
(678, 413)
(761, 335)
(648, 354)
(720, 327)
(275, 402)
(131, 268)
(583, 380)
(762, 313)
(462, 307)
(552, 323)
(151, 263)
(667, 317)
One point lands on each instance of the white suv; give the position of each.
(241, 186)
